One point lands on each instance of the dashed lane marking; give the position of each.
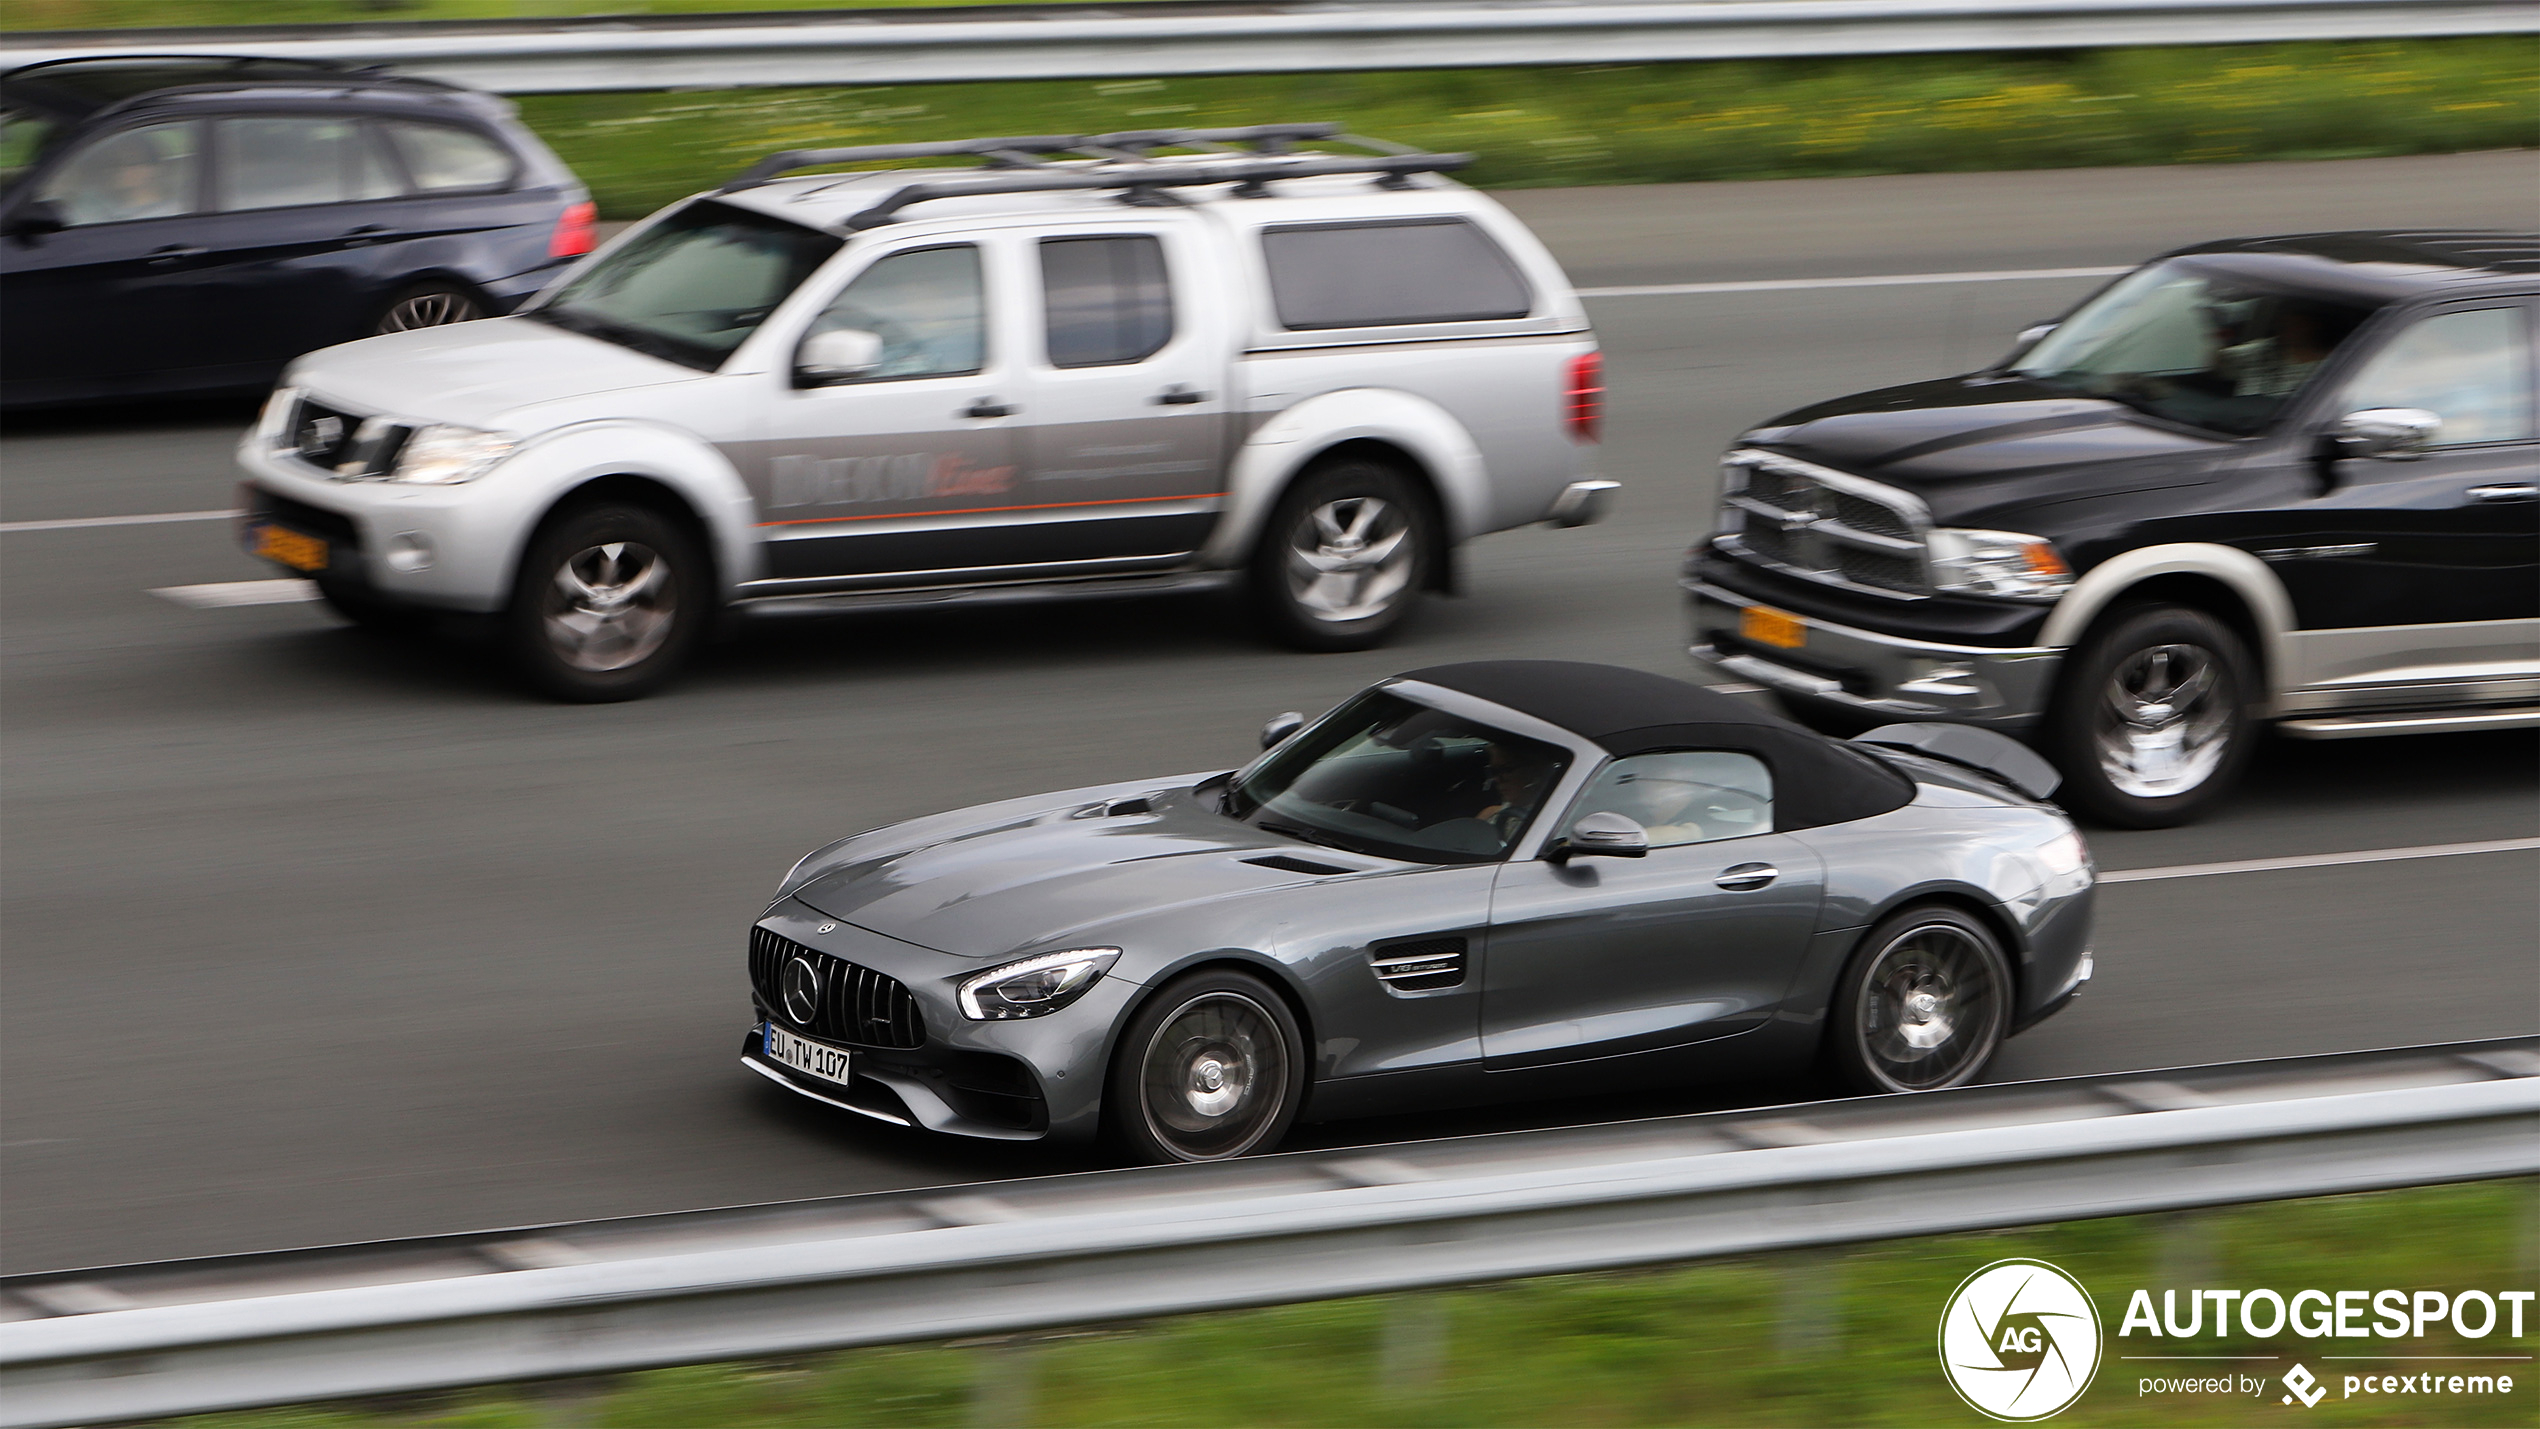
(82, 523)
(2316, 860)
(1873, 280)
(222, 594)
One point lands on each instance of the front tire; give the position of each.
(2151, 723)
(1212, 1067)
(610, 602)
(1924, 1004)
(1347, 551)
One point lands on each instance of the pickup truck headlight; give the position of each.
(1033, 986)
(1998, 563)
(440, 455)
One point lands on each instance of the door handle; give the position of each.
(176, 252)
(1747, 877)
(988, 407)
(1178, 395)
(2506, 491)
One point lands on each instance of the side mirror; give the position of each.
(2389, 433)
(35, 218)
(838, 355)
(1605, 835)
(2035, 333)
(1276, 732)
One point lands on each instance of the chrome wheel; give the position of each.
(438, 308)
(2164, 721)
(1350, 559)
(1930, 1008)
(1214, 1078)
(610, 606)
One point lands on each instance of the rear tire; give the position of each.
(1923, 1005)
(610, 602)
(2151, 722)
(1345, 556)
(1210, 1068)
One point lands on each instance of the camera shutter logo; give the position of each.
(2019, 1340)
(800, 984)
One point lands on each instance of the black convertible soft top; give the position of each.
(1816, 780)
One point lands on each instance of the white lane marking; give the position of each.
(1874, 280)
(228, 593)
(82, 523)
(2317, 860)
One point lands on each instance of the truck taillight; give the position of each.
(1583, 400)
(577, 232)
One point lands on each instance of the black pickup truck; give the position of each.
(2290, 480)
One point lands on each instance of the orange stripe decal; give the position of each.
(987, 510)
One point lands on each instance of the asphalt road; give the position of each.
(312, 936)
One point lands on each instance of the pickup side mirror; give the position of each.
(2034, 334)
(1606, 835)
(2388, 433)
(35, 218)
(838, 355)
(1276, 732)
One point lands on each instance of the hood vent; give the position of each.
(1289, 863)
(1419, 965)
(1116, 809)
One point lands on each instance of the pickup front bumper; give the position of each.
(1885, 676)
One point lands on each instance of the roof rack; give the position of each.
(249, 72)
(1248, 158)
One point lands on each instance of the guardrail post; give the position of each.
(1811, 1320)
(1411, 1347)
(1005, 1383)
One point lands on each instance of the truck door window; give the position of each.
(927, 305)
(140, 173)
(282, 161)
(1389, 274)
(2472, 369)
(1104, 301)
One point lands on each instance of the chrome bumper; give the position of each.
(1883, 675)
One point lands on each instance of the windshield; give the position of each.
(692, 286)
(1383, 776)
(2198, 348)
(22, 138)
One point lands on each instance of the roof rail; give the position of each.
(1144, 180)
(1027, 151)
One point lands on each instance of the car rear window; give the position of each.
(1105, 300)
(1390, 274)
(443, 157)
(283, 160)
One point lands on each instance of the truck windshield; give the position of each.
(1384, 776)
(691, 287)
(2194, 347)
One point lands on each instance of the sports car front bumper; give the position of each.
(1026, 1080)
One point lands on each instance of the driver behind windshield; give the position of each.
(1384, 776)
(2277, 363)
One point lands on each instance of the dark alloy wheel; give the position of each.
(611, 600)
(429, 305)
(1923, 1005)
(1345, 555)
(1211, 1067)
(2151, 722)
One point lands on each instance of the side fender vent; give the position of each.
(1419, 965)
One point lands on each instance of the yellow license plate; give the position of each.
(1771, 627)
(300, 553)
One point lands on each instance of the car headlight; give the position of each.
(1728, 520)
(1998, 563)
(1035, 985)
(440, 455)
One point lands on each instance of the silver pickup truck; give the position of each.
(1157, 359)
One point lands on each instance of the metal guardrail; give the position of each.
(183, 1337)
(1245, 36)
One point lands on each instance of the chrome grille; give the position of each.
(1849, 534)
(857, 1006)
(1420, 965)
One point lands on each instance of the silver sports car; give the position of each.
(1471, 883)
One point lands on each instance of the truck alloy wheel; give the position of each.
(2150, 724)
(1344, 558)
(609, 603)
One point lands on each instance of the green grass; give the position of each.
(1695, 1345)
(1654, 123)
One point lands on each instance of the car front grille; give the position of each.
(855, 1006)
(344, 444)
(1826, 527)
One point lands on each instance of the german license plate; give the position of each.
(815, 1059)
(1766, 626)
(289, 547)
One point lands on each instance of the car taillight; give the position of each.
(1583, 401)
(577, 233)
